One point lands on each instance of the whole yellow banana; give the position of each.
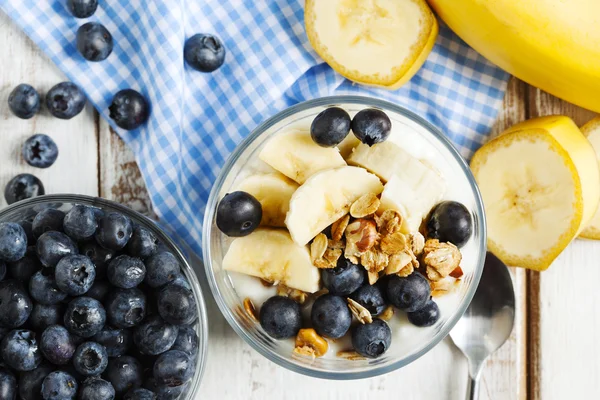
(551, 44)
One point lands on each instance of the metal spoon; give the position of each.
(488, 321)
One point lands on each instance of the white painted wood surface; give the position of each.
(552, 354)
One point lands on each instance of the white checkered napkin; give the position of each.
(198, 119)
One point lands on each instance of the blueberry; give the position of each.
(140, 394)
(124, 373)
(281, 317)
(40, 151)
(126, 272)
(59, 385)
(204, 52)
(143, 243)
(47, 220)
(344, 279)
(371, 126)
(80, 222)
(13, 241)
(372, 340)
(173, 368)
(408, 294)
(99, 290)
(19, 350)
(30, 382)
(238, 214)
(44, 315)
(370, 297)
(15, 304)
(21, 187)
(95, 388)
(23, 269)
(187, 341)
(28, 228)
(114, 231)
(84, 317)
(24, 101)
(2, 270)
(82, 8)
(65, 100)
(177, 305)
(181, 280)
(331, 316)
(450, 221)
(99, 256)
(162, 268)
(8, 385)
(90, 359)
(330, 127)
(52, 246)
(94, 41)
(126, 308)
(117, 341)
(164, 392)
(57, 345)
(426, 316)
(43, 289)
(75, 274)
(155, 336)
(129, 109)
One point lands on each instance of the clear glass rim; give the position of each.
(213, 199)
(152, 225)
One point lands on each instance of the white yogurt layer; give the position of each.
(418, 142)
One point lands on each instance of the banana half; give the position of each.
(540, 185)
(591, 130)
(373, 42)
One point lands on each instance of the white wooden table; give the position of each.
(553, 353)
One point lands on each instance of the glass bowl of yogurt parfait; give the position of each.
(344, 237)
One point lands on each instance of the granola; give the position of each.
(440, 259)
(417, 243)
(390, 221)
(309, 343)
(297, 295)
(387, 314)
(361, 313)
(366, 205)
(318, 247)
(250, 309)
(374, 260)
(361, 235)
(400, 264)
(393, 243)
(339, 227)
(329, 259)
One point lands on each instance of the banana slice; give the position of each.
(347, 145)
(412, 201)
(591, 130)
(271, 254)
(325, 198)
(540, 185)
(374, 42)
(274, 192)
(297, 156)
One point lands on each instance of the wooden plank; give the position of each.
(563, 303)
(75, 170)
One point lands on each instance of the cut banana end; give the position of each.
(373, 42)
(540, 184)
(297, 156)
(591, 130)
(325, 198)
(271, 254)
(274, 192)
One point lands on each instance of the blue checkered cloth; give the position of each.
(198, 119)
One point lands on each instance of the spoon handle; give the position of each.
(473, 388)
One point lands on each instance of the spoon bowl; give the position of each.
(488, 321)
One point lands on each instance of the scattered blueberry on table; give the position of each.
(82, 8)
(204, 52)
(65, 100)
(129, 109)
(67, 332)
(40, 151)
(94, 41)
(24, 101)
(23, 186)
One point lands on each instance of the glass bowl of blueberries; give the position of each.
(344, 238)
(97, 303)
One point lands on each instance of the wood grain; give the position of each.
(563, 303)
(76, 169)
